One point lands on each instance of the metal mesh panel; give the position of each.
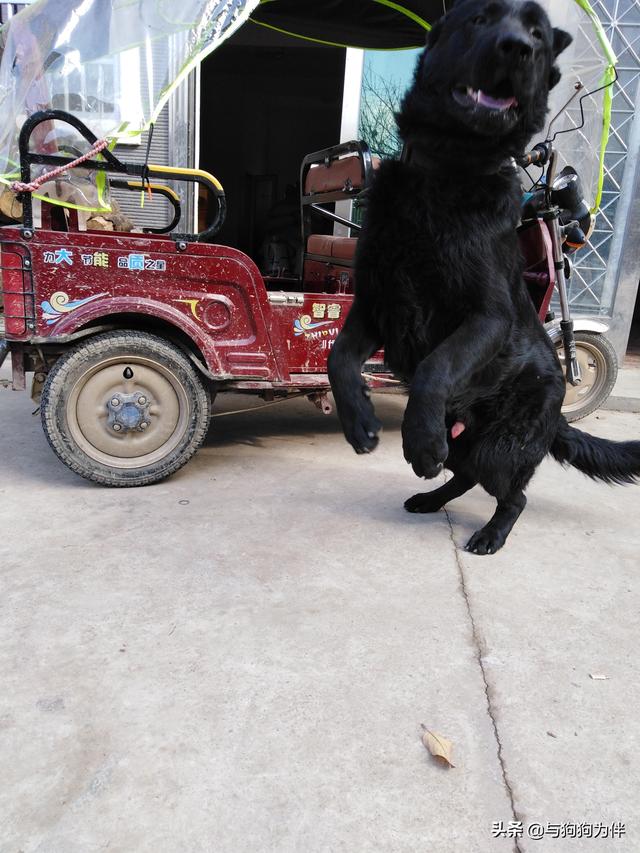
(621, 21)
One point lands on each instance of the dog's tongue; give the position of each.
(495, 103)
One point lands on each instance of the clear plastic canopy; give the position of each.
(111, 63)
(114, 64)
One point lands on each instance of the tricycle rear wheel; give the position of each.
(125, 408)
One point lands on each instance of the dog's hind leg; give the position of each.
(493, 535)
(447, 369)
(435, 500)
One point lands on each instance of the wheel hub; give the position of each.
(128, 413)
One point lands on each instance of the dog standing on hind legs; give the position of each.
(439, 281)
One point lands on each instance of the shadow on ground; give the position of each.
(294, 418)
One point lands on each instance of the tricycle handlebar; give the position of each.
(111, 164)
(539, 155)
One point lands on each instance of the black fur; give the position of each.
(439, 282)
(611, 461)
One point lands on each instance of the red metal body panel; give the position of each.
(539, 272)
(214, 294)
(308, 330)
(17, 288)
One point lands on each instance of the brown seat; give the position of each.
(328, 176)
(320, 244)
(344, 247)
(342, 175)
(328, 264)
(329, 247)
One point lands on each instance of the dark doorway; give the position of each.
(266, 101)
(633, 347)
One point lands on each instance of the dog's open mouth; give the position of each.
(467, 96)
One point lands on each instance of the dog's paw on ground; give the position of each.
(486, 541)
(423, 502)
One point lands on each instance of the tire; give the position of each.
(125, 408)
(599, 367)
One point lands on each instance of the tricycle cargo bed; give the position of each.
(59, 284)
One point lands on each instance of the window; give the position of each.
(385, 78)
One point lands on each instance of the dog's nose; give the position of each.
(515, 47)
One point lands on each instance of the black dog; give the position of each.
(439, 282)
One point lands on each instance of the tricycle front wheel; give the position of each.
(125, 409)
(599, 369)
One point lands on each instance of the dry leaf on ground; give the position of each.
(440, 747)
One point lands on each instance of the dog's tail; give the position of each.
(598, 458)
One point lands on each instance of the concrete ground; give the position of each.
(240, 658)
(625, 396)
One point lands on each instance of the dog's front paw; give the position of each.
(486, 541)
(425, 447)
(359, 422)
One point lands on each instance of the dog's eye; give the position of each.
(479, 20)
(536, 32)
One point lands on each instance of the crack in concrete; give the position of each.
(477, 642)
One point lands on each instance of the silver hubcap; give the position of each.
(593, 368)
(128, 413)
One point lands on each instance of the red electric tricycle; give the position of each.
(130, 336)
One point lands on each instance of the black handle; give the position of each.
(109, 163)
(539, 155)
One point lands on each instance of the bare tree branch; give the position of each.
(380, 100)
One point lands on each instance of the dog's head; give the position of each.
(487, 70)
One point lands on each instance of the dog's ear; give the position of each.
(561, 41)
(434, 33)
(554, 77)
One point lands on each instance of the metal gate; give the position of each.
(594, 283)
